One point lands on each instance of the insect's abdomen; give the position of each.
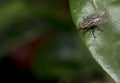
(97, 21)
(92, 22)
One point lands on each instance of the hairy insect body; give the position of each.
(91, 23)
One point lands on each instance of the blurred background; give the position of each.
(39, 42)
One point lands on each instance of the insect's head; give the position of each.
(81, 26)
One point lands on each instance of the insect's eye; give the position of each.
(81, 26)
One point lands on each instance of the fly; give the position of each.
(92, 23)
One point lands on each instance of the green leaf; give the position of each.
(105, 49)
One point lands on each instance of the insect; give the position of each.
(91, 23)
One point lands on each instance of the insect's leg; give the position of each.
(84, 18)
(99, 29)
(93, 31)
(83, 34)
(84, 31)
(96, 27)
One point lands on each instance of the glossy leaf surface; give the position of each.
(106, 47)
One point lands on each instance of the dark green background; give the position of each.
(57, 53)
